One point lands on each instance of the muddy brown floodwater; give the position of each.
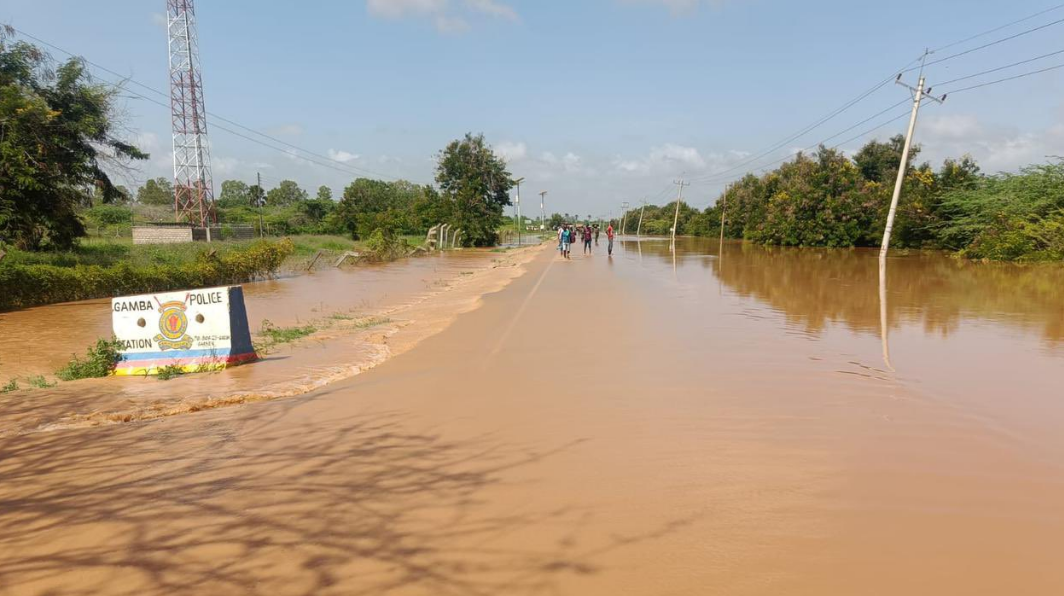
(742, 421)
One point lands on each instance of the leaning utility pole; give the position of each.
(676, 218)
(639, 226)
(723, 208)
(193, 186)
(918, 95)
(260, 198)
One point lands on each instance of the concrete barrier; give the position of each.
(196, 331)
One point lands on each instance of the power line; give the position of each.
(765, 167)
(1000, 68)
(326, 164)
(999, 28)
(719, 177)
(987, 45)
(764, 153)
(907, 68)
(354, 170)
(1012, 78)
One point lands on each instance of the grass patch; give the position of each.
(280, 335)
(170, 371)
(372, 322)
(99, 361)
(112, 269)
(10, 386)
(39, 382)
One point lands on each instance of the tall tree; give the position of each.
(235, 193)
(324, 193)
(156, 191)
(478, 185)
(286, 193)
(57, 133)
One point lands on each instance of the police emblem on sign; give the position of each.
(173, 323)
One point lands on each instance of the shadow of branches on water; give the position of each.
(269, 505)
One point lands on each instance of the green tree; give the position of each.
(57, 132)
(324, 193)
(286, 193)
(235, 193)
(157, 191)
(478, 185)
(256, 195)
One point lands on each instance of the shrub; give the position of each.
(28, 285)
(100, 361)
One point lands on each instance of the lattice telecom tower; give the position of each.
(193, 186)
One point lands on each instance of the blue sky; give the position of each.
(595, 101)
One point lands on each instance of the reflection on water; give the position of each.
(817, 287)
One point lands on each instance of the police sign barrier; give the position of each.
(197, 330)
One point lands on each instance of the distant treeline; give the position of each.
(828, 199)
(473, 190)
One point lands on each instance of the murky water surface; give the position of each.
(740, 421)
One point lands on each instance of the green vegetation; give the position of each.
(58, 130)
(372, 322)
(170, 371)
(280, 335)
(99, 361)
(827, 199)
(10, 386)
(31, 279)
(39, 382)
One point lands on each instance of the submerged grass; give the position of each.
(281, 335)
(99, 361)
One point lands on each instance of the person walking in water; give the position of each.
(597, 230)
(567, 236)
(609, 239)
(587, 238)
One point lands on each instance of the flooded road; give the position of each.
(38, 341)
(739, 421)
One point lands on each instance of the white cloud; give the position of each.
(679, 7)
(343, 156)
(287, 129)
(511, 151)
(159, 20)
(451, 25)
(448, 18)
(572, 163)
(667, 158)
(953, 126)
(493, 8)
(995, 148)
(395, 9)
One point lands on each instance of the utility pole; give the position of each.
(639, 226)
(624, 217)
(723, 208)
(259, 198)
(542, 211)
(919, 93)
(520, 222)
(676, 218)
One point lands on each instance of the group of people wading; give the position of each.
(567, 235)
